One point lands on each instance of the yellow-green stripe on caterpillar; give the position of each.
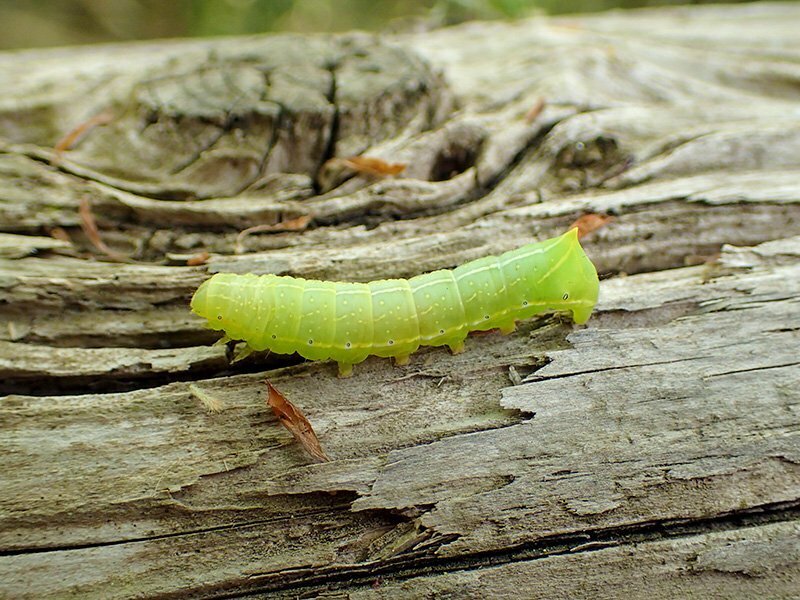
(394, 317)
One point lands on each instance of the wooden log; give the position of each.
(652, 452)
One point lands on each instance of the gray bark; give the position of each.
(654, 452)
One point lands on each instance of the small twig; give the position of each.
(535, 110)
(89, 227)
(75, 135)
(296, 224)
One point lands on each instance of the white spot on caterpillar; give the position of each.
(524, 303)
(565, 296)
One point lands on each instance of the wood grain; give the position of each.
(654, 452)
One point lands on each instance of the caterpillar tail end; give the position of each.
(585, 280)
(345, 369)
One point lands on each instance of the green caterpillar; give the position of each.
(394, 317)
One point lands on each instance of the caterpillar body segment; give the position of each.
(347, 322)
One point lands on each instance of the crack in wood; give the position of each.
(534, 378)
(352, 576)
(753, 369)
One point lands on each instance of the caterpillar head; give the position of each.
(202, 306)
(224, 300)
(240, 305)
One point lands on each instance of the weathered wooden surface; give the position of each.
(654, 452)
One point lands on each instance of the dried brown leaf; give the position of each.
(89, 226)
(297, 424)
(198, 259)
(60, 233)
(72, 137)
(588, 223)
(373, 166)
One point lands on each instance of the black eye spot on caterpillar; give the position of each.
(434, 309)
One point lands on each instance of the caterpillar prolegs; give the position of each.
(349, 321)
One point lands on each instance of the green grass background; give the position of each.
(35, 23)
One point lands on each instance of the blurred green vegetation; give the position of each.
(32, 23)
